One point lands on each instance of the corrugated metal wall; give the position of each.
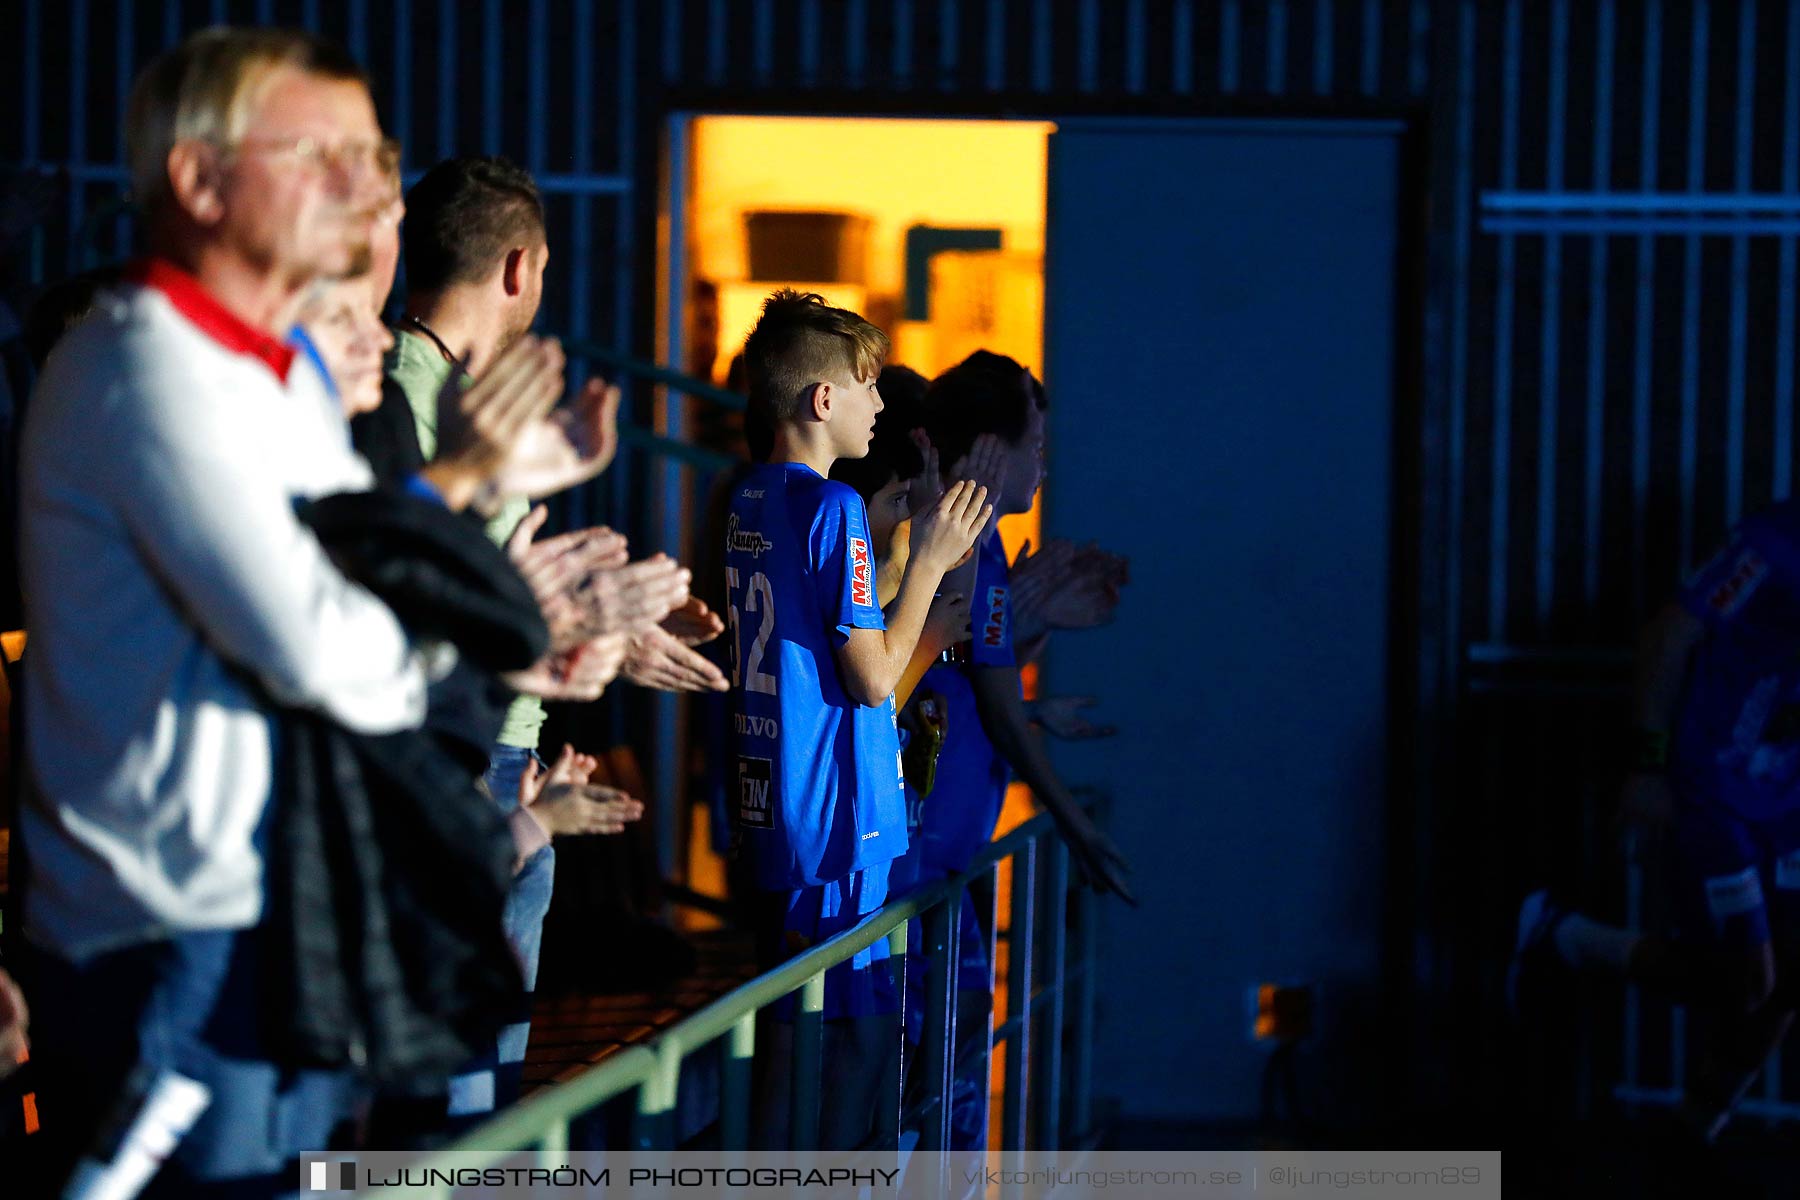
(1061, 48)
(1610, 201)
(1620, 389)
(548, 84)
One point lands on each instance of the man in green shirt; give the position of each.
(475, 253)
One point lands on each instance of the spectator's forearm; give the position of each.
(1664, 652)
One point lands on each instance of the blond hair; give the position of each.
(800, 340)
(205, 88)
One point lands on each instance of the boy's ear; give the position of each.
(820, 400)
(512, 273)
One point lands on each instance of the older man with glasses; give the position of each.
(170, 589)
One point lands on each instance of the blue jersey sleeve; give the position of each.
(990, 617)
(843, 561)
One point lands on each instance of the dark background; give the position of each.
(1585, 407)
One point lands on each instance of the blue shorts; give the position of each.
(792, 922)
(1740, 879)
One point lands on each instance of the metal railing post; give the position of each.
(987, 921)
(1081, 1049)
(643, 1120)
(1050, 1055)
(937, 1048)
(1634, 917)
(735, 1081)
(809, 1039)
(656, 1099)
(1021, 945)
(887, 1115)
(553, 1151)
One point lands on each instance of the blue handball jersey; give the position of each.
(950, 826)
(818, 775)
(1737, 739)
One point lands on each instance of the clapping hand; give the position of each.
(943, 535)
(570, 446)
(658, 659)
(555, 569)
(1064, 586)
(566, 802)
(985, 465)
(925, 488)
(947, 623)
(694, 623)
(481, 425)
(580, 674)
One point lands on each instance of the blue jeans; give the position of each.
(489, 1084)
(187, 1005)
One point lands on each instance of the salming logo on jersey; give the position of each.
(747, 540)
(1729, 596)
(862, 573)
(993, 633)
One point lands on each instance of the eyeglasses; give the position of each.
(381, 155)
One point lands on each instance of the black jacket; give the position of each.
(387, 868)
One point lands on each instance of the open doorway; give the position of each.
(865, 211)
(933, 229)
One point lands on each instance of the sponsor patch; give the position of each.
(759, 727)
(862, 574)
(755, 809)
(993, 632)
(747, 540)
(1746, 573)
(1734, 895)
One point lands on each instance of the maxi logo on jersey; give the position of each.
(862, 574)
(1730, 595)
(994, 632)
(747, 540)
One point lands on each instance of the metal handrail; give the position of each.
(667, 376)
(542, 1122)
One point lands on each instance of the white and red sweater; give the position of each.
(162, 564)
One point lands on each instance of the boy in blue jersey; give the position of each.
(985, 415)
(1716, 761)
(814, 665)
(899, 473)
(985, 397)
